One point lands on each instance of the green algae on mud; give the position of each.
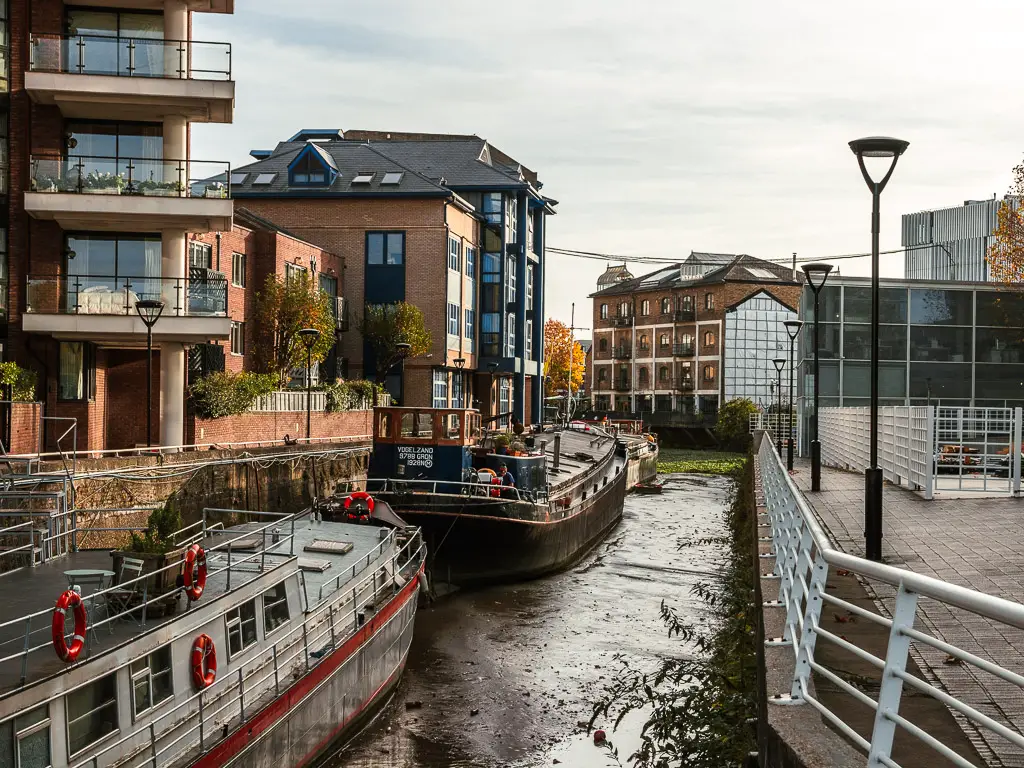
(674, 460)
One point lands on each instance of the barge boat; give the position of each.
(275, 641)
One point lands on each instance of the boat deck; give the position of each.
(30, 593)
(574, 442)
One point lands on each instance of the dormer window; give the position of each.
(311, 169)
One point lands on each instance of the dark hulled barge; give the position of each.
(440, 471)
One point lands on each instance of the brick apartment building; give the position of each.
(689, 336)
(99, 193)
(448, 223)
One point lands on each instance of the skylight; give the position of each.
(363, 178)
(238, 178)
(265, 178)
(394, 177)
(764, 274)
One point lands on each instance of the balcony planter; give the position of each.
(103, 184)
(216, 190)
(157, 188)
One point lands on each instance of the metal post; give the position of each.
(789, 411)
(202, 740)
(149, 386)
(873, 475)
(778, 412)
(277, 679)
(891, 689)
(241, 693)
(815, 443)
(309, 389)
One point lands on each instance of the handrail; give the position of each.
(397, 483)
(803, 555)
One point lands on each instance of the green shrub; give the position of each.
(225, 394)
(21, 380)
(733, 427)
(349, 395)
(160, 529)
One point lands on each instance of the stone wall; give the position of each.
(25, 425)
(255, 426)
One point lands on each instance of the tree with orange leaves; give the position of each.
(1005, 256)
(557, 344)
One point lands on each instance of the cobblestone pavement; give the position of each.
(974, 542)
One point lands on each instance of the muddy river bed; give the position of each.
(502, 677)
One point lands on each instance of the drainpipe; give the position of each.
(218, 251)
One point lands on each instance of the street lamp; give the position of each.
(816, 275)
(793, 329)
(780, 363)
(891, 149)
(309, 337)
(460, 363)
(149, 310)
(403, 348)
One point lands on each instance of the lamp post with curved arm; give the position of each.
(149, 310)
(793, 329)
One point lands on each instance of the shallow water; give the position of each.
(530, 659)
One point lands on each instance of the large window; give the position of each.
(645, 307)
(151, 680)
(238, 270)
(91, 713)
(931, 343)
(453, 319)
(528, 341)
(940, 307)
(200, 255)
(237, 338)
(293, 272)
(310, 171)
(132, 151)
(385, 248)
(275, 608)
(240, 623)
(1000, 308)
(709, 301)
(101, 265)
(604, 311)
(458, 396)
(510, 282)
(666, 306)
(504, 395)
(440, 390)
(892, 305)
(25, 740)
(892, 342)
(529, 286)
(470, 324)
(97, 51)
(470, 261)
(510, 335)
(454, 254)
(492, 207)
(76, 372)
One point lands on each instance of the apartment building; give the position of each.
(100, 193)
(446, 222)
(691, 335)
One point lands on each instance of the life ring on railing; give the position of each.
(364, 506)
(69, 599)
(204, 662)
(195, 556)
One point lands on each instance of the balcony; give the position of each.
(682, 350)
(127, 194)
(622, 321)
(621, 385)
(126, 78)
(684, 385)
(101, 308)
(622, 353)
(684, 315)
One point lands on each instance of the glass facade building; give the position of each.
(754, 335)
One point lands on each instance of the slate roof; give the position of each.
(740, 268)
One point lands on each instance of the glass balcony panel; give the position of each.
(136, 55)
(148, 177)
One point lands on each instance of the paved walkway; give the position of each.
(974, 542)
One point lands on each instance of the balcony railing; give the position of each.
(117, 295)
(684, 315)
(682, 350)
(684, 385)
(148, 177)
(130, 57)
(622, 353)
(622, 321)
(621, 385)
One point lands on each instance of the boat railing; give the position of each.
(372, 555)
(99, 599)
(396, 485)
(234, 698)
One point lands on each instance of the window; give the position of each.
(421, 424)
(603, 345)
(505, 395)
(709, 301)
(453, 319)
(644, 342)
(529, 287)
(623, 310)
(492, 207)
(238, 270)
(686, 305)
(604, 311)
(91, 713)
(275, 608)
(384, 428)
(709, 338)
(709, 373)
(200, 255)
(663, 340)
(329, 285)
(470, 261)
(510, 335)
(528, 341)
(457, 402)
(238, 178)
(470, 324)
(264, 179)
(151, 680)
(241, 627)
(602, 374)
(363, 177)
(644, 376)
(513, 219)
(440, 388)
(237, 338)
(663, 373)
(392, 177)
(385, 248)
(454, 254)
(76, 371)
(510, 284)
(25, 740)
(309, 169)
(666, 306)
(293, 271)
(645, 307)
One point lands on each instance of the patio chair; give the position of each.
(121, 600)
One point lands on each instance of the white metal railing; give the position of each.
(978, 449)
(905, 442)
(803, 556)
(294, 400)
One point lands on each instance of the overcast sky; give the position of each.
(661, 127)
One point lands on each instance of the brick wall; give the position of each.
(251, 427)
(25, 423)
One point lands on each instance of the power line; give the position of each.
(596, 256)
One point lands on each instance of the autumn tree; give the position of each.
(557, 345)
(1006, 254)
(283, 308)
(385, 327)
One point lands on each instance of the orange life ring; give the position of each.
(195, 556)
(362, 496)
(69, 599)
(204, 662)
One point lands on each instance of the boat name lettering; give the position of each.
(416, 455)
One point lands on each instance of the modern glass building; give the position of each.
(940, 343)
(754, 335)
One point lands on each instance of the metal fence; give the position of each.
(774, 423)
(803, 557)
(978, 449)
(293, 400)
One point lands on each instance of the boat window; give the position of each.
(151, 680)
(384, 430)
(25, 740)
(417, 424)
(241, 625)
(452, 424)
(275, 608)
(474, 426)
(91, 713)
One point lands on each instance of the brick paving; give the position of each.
(974, 542)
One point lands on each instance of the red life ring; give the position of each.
(69, 599)
(204, 662)
(496, 480)
(193, 557)
(359, 514)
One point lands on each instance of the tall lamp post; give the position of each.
(816, 275)
(309, 337)
(793, 329)
(149, 310)
(886, 148)
(780, 363)
(460, 363)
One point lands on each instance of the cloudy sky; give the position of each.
(661, 126)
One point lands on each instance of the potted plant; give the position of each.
(501, 443)
(97, 183)
(156, 548)
(150, 188)
(215, 189)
